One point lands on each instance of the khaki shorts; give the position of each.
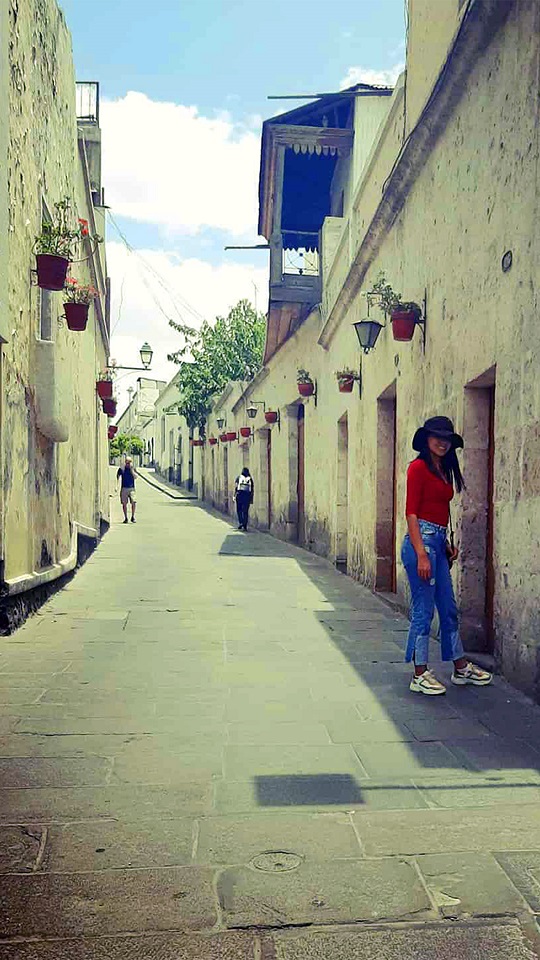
(127, 494)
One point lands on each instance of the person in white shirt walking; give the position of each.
(243, 493)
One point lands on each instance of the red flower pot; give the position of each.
(245, 431)
(403, 324)
(197, 443)
(271, 416)
(113, 429)
(232, 435)
(76, 315)
(346, 384)
(104, 389)
(51, 271)
(109, 406)
(306, 389)
(224, 437)
(212, 441)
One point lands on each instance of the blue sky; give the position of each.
(184, 87)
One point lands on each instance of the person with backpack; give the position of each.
(243, 492)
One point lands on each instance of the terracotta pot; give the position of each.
(271, 416)
(113, 430)
(76, 315)
(109, 406)
(212, 441)
(51, 271)
(346, 384)
(306, 389)
(231, 435)
(104, 389)
(245, 431)
(403, 324)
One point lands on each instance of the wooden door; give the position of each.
(300, 484)
(490, 533)
(269, 474)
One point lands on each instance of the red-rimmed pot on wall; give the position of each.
(232, 435)
(403, 324)
(51, 271)
(109, 406)
(212, 441)
(104, 389)
(76, 315)
(271, 416)
(306, 389)
(112, 431)
(345, 384)
(245, 432)
(223, 437)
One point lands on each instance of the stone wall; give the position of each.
(47, 486)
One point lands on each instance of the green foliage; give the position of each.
(382, 294)
(61, 235)
(303, 376)
(231, 349)
(123, 443)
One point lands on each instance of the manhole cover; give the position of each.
(276, 861)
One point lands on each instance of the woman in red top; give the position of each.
(426, 556)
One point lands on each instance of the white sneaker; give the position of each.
(427, 683)
(471, 674)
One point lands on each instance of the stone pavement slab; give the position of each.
(479, 941)
(469, 884)
(231, 840)
(337, 892)
(113, 844)
(438, 831)
(154, 946)
(21, 849)
(92, 904)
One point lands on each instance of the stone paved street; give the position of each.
(209, 751)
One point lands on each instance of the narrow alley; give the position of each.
(209, 750)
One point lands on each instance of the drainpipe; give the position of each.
(4, 231)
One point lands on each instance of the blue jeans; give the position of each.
(438, 592)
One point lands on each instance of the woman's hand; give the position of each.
(452, 553)
(424, 566)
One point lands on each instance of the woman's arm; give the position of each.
(424, 565)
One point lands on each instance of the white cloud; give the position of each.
(141, 304)
(380, 78)
(166, 164)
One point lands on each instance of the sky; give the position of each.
(183, 93)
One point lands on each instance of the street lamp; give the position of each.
(220, 422)
(367, 332)
(146, 354)
(252, 409)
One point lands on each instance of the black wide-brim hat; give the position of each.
(436, 427)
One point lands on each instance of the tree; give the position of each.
(123, 443)
(231, 349)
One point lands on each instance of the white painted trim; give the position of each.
(29, 581)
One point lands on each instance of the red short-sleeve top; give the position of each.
(428, 496)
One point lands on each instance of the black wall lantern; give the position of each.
(367, 332)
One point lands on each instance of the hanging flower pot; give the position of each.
(51, 271)
(197, 443)
(224, 437)
(112, 431)
(346, 383)
(76, 315)
(245, 431)
(212, 441)
(271, 416)
(403, 324)
(232, 435)
(306, 389)
(109, 406)
(104, 389)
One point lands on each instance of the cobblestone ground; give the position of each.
(208, 751)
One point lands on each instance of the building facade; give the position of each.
(54, 496)
(434, 184)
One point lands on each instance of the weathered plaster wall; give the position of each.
(46, 485)
(475, 197)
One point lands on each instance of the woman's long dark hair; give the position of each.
(450, 466)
